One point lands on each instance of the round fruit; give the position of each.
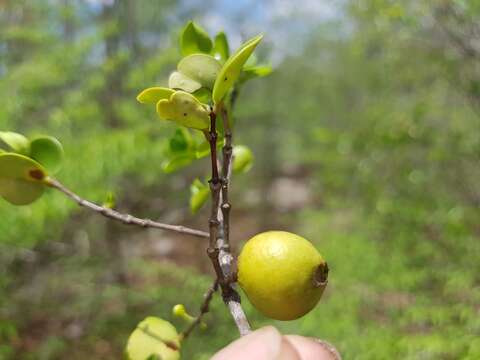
(283, 275)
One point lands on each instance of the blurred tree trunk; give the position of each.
(109, 22)
(130, 27)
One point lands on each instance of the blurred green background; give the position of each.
(367, 142)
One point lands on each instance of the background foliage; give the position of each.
(366, 140)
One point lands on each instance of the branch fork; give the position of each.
(219, 223)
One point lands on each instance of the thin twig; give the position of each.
(124, 218)
(227, 151)
(203, 310)
(239, 316)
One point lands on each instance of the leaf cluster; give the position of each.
(25, 165)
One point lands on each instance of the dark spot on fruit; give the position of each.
(184, 114)
(36, 174)
(225, 79)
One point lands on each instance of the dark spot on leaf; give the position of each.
(184, 114)
(171, 345)
(36, 174)
(225, 79)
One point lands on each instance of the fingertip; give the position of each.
(264, 343)
(313, 349)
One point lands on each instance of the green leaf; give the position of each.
(194, 39)
(242, 159)
(48, 151)
(16, 142)
(203, 148)
(177, 162)
(251, 62)
(232, 68)
(255, 71)
(200, 67)
(153, 337)
(180, 81)
(184, 109)
(181, 141)
(199, 193)
(21, 179)
(154, 94)
(221, 49)
(203, 95)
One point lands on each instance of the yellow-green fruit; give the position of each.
(283, 275)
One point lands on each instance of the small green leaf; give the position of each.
(199, 193)
(48, 151)
(181, 141)
(203, 148)
(21, 179)
(154, 94)
(201, 68)
(17, 142)
(184, 109)
(177, 162)
(231, 70)
(221, 49)
(242, 159)
(255, 71)
(180, 81)
(110, 200)
(153, 337)
(194, 39)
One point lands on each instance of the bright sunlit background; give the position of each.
(366, 141)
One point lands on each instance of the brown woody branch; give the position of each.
(123, 218)
(222, 258)
(215, 185)
(227, 151)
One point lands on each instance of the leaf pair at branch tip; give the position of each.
(178, 106)
(154, 338)
(23, 172)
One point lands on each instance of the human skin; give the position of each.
(268, 344)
